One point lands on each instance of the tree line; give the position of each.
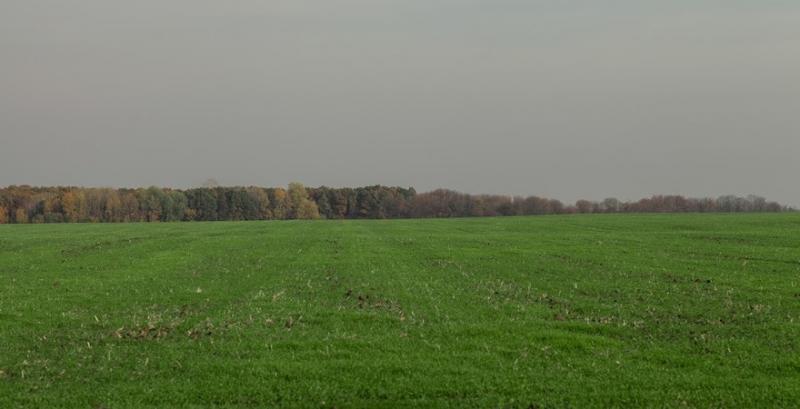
(27, 204)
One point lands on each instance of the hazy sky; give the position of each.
(566, 99)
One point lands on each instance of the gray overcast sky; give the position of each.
(565, 99)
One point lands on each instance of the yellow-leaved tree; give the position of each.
(302, 207)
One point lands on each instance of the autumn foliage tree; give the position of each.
(26, 204)
(300, 204)
(281, 206)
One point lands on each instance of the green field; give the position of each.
(554, 311)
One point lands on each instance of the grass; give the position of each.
(575, 311)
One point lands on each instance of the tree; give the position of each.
(369, 205)
(281, 206)
(73, 203)
(173, 206)
(583, 206)
(112, 206)
(321, 197)
(223, 206)
(203, 203)
(95, 204)
(307, 210)
(51, 208)
(26, 204)
(150, 201)
(21, 216)
(535, 205)
(611, 205)
(297, 194)
(556, 207)
(129, 206)
(301, 207)
(258, 206)
(339, 200)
